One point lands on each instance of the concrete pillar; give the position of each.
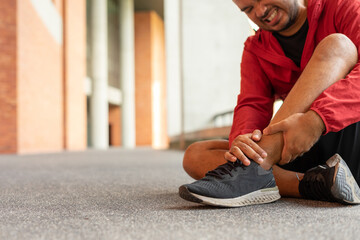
(127, 71)
(99, 66)
(173, 66)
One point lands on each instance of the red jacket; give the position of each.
(267, 74)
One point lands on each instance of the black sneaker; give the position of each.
(331, 182)
(233, 185)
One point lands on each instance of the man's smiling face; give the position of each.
(271, 15)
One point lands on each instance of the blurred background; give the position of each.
(78, 74)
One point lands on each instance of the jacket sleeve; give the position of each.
(339, 105)
(255, 102)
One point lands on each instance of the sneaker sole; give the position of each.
(345, 188)
(262, 196)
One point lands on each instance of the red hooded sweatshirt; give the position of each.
(267, 74)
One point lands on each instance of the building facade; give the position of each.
(42, 61)
(100, 73)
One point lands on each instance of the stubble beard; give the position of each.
(293, 15)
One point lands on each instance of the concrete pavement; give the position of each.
(124, 194)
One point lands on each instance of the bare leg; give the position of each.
(287, 182)
(336, 52)
(201, 157)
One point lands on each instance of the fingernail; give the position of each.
(260, 160)
(264, 155)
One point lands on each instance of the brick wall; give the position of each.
(143, 78)
(8, 101)
(115, 125)
(74, 74)
(160, 138)
(150, 83)
(40, 75)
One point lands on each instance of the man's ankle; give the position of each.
(266, 164)
(272, 144)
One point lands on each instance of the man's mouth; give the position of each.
(271, 16)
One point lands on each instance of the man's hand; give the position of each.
(245, 146)
(300, 132)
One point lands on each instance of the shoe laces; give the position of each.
(226, 169)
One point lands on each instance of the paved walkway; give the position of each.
(122, 194)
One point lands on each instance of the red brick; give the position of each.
(115, 125)
(8, 96)
(74, 75)
(150, 72)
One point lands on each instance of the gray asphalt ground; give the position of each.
(123, 194)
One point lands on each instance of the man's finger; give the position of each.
(256, 135)
(230, 157)
(285, 157)
(240, 155)
(257, 149)
(275, 128)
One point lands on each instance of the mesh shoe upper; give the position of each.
(317, 183)
(330, 182)
(232, 180)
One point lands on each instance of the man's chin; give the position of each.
(276, 28)
(280, 29)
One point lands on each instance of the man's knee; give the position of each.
(201, 157)
(339, 46)
(191, 155)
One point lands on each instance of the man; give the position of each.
(306, 53)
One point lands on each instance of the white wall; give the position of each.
(213, 35)
(172, 45)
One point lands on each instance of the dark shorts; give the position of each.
(345, 142)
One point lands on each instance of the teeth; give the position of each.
(272, 15)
